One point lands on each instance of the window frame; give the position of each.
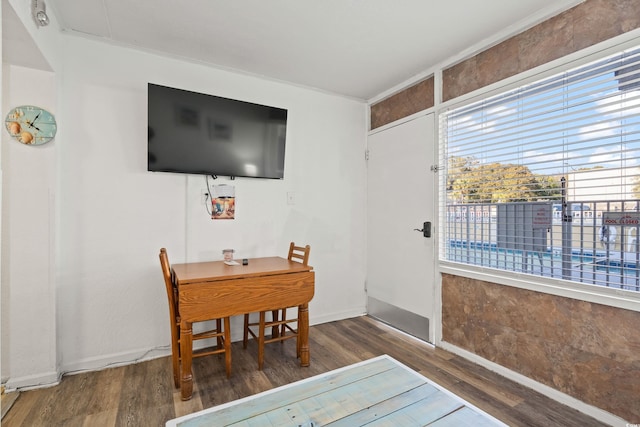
(591, 293)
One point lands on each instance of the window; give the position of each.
(545, 179)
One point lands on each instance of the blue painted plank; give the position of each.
(422, 412)
(430, 396)
(466, 417)
(337, 403)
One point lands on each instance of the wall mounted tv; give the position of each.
(195, 133)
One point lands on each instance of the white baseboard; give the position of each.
(30, 382)
(127, 358)
(332, 317)
(27, 382)
(565, 399)
(118, 359)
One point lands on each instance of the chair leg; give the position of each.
(298, 336)
(175, 354)
(175, 360)
(283, 328)
(261, 328)
(275, 330)
(218, 330)
(245, 338)
(227, 346)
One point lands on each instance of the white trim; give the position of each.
(28, 382)
(115, 360)
(597, 413)
(94, 364)
(335, 316)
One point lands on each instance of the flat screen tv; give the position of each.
(196, 133)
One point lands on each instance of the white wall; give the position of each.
(28, 234)
(113, 216)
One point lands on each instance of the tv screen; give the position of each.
(196, 133)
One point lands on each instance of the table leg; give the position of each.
(303, 333)
(186, 351)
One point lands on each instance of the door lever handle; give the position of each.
(425, 230)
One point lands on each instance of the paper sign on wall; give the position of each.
(223, 202)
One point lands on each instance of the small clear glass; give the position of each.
(228, 254)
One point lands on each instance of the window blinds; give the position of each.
(582, 120)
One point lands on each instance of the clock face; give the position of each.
(31, 125)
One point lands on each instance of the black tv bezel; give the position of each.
(211, 172)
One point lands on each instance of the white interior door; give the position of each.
(401, 263)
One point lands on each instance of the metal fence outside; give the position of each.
(579, 243)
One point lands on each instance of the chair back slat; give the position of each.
(169, 284)
(299, 253)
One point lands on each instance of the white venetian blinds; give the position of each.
(581, 127)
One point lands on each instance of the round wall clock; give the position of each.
(31, 125)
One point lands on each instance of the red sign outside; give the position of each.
(621, 218)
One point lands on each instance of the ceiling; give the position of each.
(355, 48)
(18, 47)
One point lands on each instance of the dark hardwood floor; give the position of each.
(142, 394)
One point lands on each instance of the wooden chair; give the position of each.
(222, 335)
(281, 327)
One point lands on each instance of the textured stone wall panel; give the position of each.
(586, 350)
(411, 100)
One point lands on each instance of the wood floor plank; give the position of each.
(143, 394)
(186, 407)
(43, 408)
(104, 398)
(19, 412)
(490, 405)
(81, 387)
(157, 392)
(101, 419)
(496, 391)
